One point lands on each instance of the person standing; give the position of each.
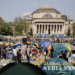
(0, 53)
(19, 56)
(4, 53)
(15, 54)
(28, 54)
(52, 52)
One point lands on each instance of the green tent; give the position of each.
(32, 43)
(1, 43)
(68, 44)
(58, 48)
(21, 69)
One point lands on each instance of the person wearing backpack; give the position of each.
(4, 53)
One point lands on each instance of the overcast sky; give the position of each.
(9, 9)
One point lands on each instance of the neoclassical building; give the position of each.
(47, 20)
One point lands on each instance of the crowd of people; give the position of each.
(28, 51)
(63, 55)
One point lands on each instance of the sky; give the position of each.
(9, 9)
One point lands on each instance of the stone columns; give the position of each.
(47, 29)
(39, 29)
(59, 28)
(64, 28)
(56, 29)
(44, 29)
(50, 29)
(53, 28)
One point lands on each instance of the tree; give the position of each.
(31, 32)
(4, 28)
(68, 33)
(73, 28)
(20, 26)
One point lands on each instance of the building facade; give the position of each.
(47, 20)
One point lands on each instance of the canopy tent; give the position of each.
(45, 67)
(21, 69)
(17, 44)
(58, 48)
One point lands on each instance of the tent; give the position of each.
(47, 67)
(49, 48)
(58, 48)
(17, 44)
(45, 44)
(68, 45)
(41, 42)
(1, 43)
(21, 69)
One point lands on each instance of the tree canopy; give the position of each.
(20, 26)
(4, 28)
(73, 28)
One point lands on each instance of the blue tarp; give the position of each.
(54, 35)
(58, 35)
(17, 44)
(40, 35)
(47, 67)
(46, 35)
(58, 48)
(9, 55)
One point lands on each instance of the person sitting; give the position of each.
(59, 55)
(63, 55)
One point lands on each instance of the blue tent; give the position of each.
(47, 67)
(17, 44)
(41, 42)
(46, 44)
(58, 48)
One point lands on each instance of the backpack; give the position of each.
(4, 52)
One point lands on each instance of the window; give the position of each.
(47, 16)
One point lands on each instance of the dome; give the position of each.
(45, 8)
